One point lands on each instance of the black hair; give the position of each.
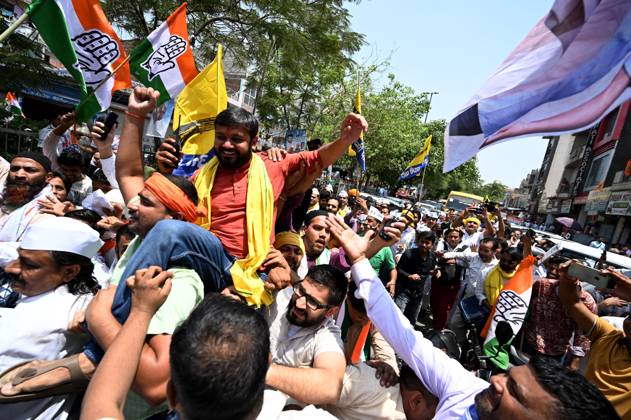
(85, 215)
(186, 186)
(331, 278)
(219, 359)
(426, 235)
(409, 380)
(576, 398)
(325, 195)
(494, 240)
(502, 244)
(238, 117)
(70, 157)
(356, 302)
(448, 231)
(514, 253)
(64, 179)
(84, 282)
(313, 214)
(123, 232)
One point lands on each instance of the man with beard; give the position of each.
(293, 249)
(25, 183)
(305, 344)
(241, 190)
(541, 389)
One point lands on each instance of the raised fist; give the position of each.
(163, 58)
(95, 52)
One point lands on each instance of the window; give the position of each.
(598, 170)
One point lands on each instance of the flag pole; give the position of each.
(13, 26)
(102, 82)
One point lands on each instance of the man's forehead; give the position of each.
(529, 388)
(26, 163)
(288, 247)
(315, 289)
(318, 221)
(232, 129)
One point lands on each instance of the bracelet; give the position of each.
(132, 115)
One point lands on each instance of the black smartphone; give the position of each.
(108, 121)
(382, 233)
(178, 142)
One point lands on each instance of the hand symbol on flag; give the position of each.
(95, 52)
(163, 58)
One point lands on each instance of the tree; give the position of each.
(396, 132)
(495, 191)
(294, 49)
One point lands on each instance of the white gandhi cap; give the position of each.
(62, 234)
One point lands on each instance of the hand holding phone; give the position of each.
(108, 122)
(382, 234)
(591, 276)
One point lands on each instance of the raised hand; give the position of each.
(352, 127)
(97, 131)
(163, 58)
(142, 101)
(95, 52)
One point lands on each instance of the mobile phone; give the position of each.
(178, 142)
(108, 121)
(591, 276)
(382, 234)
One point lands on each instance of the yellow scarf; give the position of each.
(259, 214)
(494, 283)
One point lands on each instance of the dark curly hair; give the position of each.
(84, 283)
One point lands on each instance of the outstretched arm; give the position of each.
(435, 369)
(570, 294)
(129, 164)
(352, 127)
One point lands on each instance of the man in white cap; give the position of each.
(51, 282)
(343, 208)
(314, 203)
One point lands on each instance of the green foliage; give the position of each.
(495, 191)
(295, 49)
(396, 134)
(22, 63)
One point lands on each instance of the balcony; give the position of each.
(575, 156)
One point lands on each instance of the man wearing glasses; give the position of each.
(308, 360)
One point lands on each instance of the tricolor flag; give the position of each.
(164, 61)
(511, 306)
(13, 106)
(194, 116)
(420, 161)
(572, 69)
(357, 148)
(80, 36)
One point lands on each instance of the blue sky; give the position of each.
(452, 47)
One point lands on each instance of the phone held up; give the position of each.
(108, 121)
(591, 276)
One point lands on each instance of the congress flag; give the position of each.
(419, 162)
(357, 148)
(195, 110)
(164, 60)
(511, 306)
(80, 36)
(571, 70)
(13, 106)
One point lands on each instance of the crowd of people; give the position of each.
(251, 290)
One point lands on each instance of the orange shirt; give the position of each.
(229, 195)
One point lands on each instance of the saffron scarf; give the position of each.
(259, 214)
(494, 283)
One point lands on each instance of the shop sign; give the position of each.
(566, 206)
(597, 201)
(619, 203)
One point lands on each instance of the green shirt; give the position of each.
(382, 259)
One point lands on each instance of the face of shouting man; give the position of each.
(316, 236)
(26, 179)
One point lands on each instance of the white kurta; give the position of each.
(36, 329)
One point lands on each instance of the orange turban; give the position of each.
(173, 197)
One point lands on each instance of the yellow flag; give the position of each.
(420, 161)
(197, 106)
(357, 109)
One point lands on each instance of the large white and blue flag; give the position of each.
(571, 70)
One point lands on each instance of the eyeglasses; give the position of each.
(312, 303)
